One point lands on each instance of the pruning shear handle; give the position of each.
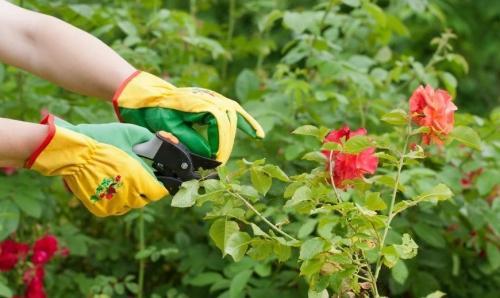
(173, 162)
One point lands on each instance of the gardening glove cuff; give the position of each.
(149, 101)
(104, 178)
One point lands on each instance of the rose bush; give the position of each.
(279, 226)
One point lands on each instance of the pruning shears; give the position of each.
(173, 163)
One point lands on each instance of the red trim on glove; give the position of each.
(49, 120)
(119, 92)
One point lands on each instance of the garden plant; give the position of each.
(379, 175)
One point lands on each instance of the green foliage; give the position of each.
(301, 68)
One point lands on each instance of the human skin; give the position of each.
(18, 140)
(60, 53)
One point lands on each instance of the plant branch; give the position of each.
(142, 262)
(270, 224)
(393, 200)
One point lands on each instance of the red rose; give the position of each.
(44, 249)
(435, 110)
(33, 279)
(349, 166)
(10, 252)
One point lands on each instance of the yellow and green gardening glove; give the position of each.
(149, 101)
(98, 165)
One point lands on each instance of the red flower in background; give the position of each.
(470, 177)
(435, 110)
(44, 249)
(33, 280)
(8, 170)
(349, 166)
(10, 252)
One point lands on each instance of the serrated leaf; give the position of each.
(186, 196)
(331, 146)
(390, 256)
(315, 156)
(29, 203)
(466, 136)
(357, 144)
(302, 194)
(310, 248)
(257, 231)
(396, 117)
(260, 180)
(306, 130)
(221, 230)
(237, 245)
(374, 202)
(439, 192)
(276, 172)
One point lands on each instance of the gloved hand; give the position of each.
(149, 101)
(98, 165)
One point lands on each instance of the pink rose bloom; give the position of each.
(435, 110)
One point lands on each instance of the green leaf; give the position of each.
(128, 28)
(276, 172)
(306, 130)
(313, 294)
(396, 117)
(430, 235)
(352, 3)
(5, 291)
(186, 196)
(205, 279)
(390, 256)
(310, 248)
(436, 294)
(399, 272)
(239, 283)
(302, 194)
(331, 146)
(376, 12)
(487, 181)
(260, 180)
(257, 231)
(237, 245)
(283, 252)
(439, 192)
(466, 136)
(298, 22)
(374, 202)
(315, 156)
(29, 203)
(268, 20)
(449, 81)
(408, 248)
(493, 254)
(9, 218)
(247, 83)
(357, 144)
(221, 230)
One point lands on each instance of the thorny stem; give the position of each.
(390, 215)
(332, 165)
(270, 224)
(142, 262)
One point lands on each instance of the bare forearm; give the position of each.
(18, 140)
(59, 52)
